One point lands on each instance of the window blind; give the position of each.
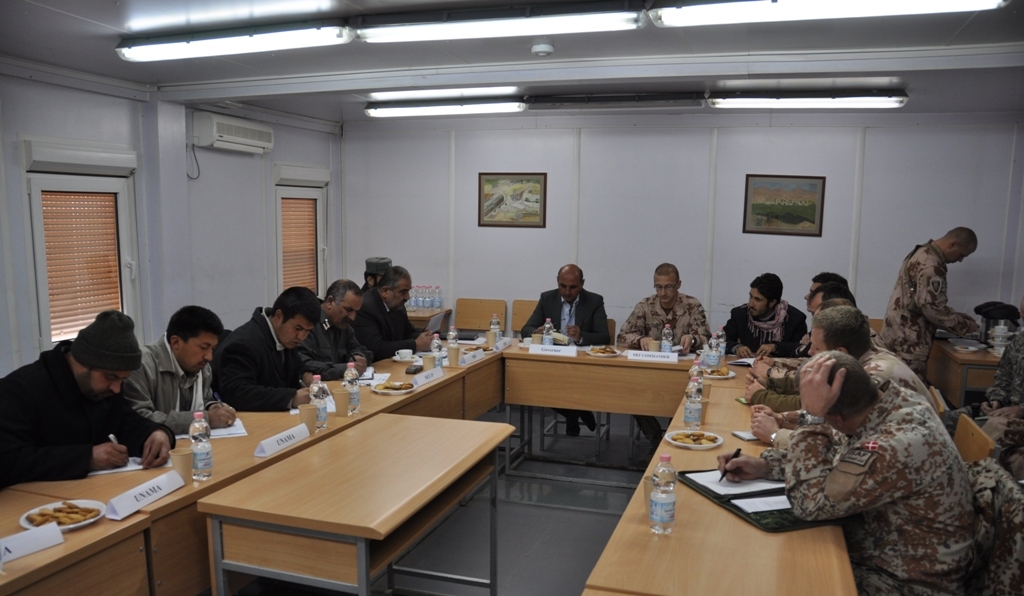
(298, 243)
(82, 260)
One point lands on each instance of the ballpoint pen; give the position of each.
(735, 454)
(113, 439)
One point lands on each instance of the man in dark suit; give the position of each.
(382, 325)
(578, 314)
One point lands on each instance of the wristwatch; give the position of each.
(805, 419)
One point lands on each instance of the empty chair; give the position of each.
(475, 313)
(972, 443)
(521, 311)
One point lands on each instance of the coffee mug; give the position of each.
(404, 354)
(526, 341)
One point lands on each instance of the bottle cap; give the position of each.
(495, 315)
(350, 365)
(452, 328)
(197, 415)
(548, 319)
(316, 377)
(664, 457)
(437, 335)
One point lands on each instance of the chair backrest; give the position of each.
(937, 402)
(475, 313)
(876, 324)
(521, 311)
(611, 331)
(972, 442)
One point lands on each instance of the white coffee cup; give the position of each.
(526, 341)
(404, 354)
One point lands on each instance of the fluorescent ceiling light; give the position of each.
(443, 93)
(400, 111)
(229, 43)
(514, 27)
(809, 103)
(766, 11)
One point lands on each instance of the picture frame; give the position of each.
(512, 200)
(783, 205)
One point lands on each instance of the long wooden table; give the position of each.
(338, 514)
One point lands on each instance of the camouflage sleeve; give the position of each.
(931, 298)
(699, 328)
(1003, 390)
(633, 329)
(776, 459)
(821, 488)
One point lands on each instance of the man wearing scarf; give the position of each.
(767, 325)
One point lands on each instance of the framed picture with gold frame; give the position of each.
(786, 205)
(512, 200)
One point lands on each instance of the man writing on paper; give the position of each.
(580, 315)
(767, 325)
(382, 325)
(684, 315)
(898, 469)
(333, 344)
(175, 376)
(57, 414)
(258, 367)
(918, 306)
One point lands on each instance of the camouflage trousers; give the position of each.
(1009, 434)
(874, 582)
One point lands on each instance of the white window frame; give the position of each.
(127, 236)
(320, 196)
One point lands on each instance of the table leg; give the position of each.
(220, 578)
(363, 562)
(494, 527)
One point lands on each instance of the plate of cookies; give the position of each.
(68, 515)
(603, 351)
(392, 388)
(693, 439)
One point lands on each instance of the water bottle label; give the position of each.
(711, 358)
(353, 398)
(321, 413)
(662, 512)
(666, 346)
(202, 460)
(691, 413)
(548, 340)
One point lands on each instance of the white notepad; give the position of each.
(759, 504)
(710, 478)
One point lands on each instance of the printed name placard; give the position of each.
(128, 503)
(652, 356)
(501, 345)
(281, 440)
(427, 376)
(30, 541)
(553, 350)
(468, 358)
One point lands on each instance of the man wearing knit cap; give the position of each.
(59, 414)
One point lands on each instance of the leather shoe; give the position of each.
(572, 427)
(588, 419)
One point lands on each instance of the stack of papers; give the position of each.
(235, 430)
(710, 481)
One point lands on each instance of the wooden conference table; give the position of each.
(955, 373)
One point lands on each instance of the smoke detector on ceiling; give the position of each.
(542, 47)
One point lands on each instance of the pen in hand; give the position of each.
(735, 454)
(113, 439)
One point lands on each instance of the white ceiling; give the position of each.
(966, 62)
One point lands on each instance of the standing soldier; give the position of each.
(918, 302)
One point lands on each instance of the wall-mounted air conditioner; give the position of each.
(235, 134)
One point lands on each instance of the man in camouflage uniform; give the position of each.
(918, 302)
(898, 470)
(684, 315)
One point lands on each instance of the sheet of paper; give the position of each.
(473, 342)
(746, 435)
(376, 379)
(134, 464)
(710, 478)
(758, 504)
(235, 430)
(368, 375)
(742, 362)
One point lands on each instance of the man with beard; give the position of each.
(766, 325)
(382, 324)
(60, 414)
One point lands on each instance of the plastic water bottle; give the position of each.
(691, 411)
(666, 338)
(437, 297)
(496, 326)
(318, 394)
(437, 350)
(663, 496)
(721, 344)
(352, 384)
(549, 333)
(202, 450)
(453, 337)
(712, 354)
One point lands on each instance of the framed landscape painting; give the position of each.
(788, 205)
(513, 200)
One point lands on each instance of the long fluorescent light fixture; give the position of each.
(421, 94)
(441, 108)
(768, 11)
(235, 41)
(511, 27)
(853, 100)
(616, 102)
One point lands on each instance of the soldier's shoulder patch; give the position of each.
(859, 457)
(935, 284)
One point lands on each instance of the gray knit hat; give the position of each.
(108, 343)
(377, 265)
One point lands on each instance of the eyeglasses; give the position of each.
(658, 288)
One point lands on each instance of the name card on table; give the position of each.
(30, 541)
(652, 356)
(501, 345)
(427, 376)
(128, 503)
(553, 350)
(281, 440)
(468, 358)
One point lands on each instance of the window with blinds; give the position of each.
(82, 259)
(298, 243)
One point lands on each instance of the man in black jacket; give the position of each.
(58, 414)
(258, 367)
(767, 325)
(382, 325)
(332, 344)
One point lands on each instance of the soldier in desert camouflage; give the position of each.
(918, 302)
(898, 470)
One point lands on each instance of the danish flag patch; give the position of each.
(871, 446)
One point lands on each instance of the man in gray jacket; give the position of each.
(332, 344)
(174, 379)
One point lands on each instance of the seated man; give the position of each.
(58, 414)
(332, 344)
(580, 315)
(898, 470)
(684, 315)
(258, 367)
(766, 325)
(375, 268)
(175, 376)
(382, 324)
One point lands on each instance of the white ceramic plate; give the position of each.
(407, 360)
(80, 502)
(391, 391)
(965, 348)
(731, 374)
(617, 352)
(669, 434)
